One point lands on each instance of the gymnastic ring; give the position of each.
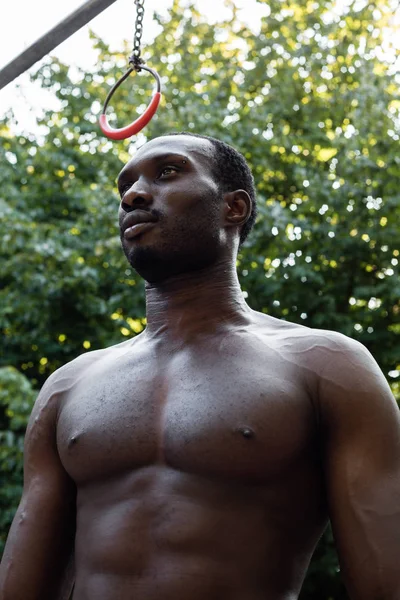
(136, 126)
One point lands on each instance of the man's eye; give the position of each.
(124, 189)
(167, 171)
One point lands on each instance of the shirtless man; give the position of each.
(201, 459)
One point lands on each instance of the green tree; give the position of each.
(312, 104)
(16, 399)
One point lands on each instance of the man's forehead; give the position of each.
(174, 144)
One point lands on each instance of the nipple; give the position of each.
(72, 441)
(246, 432)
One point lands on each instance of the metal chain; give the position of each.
(135, 58)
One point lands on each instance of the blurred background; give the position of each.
(307, 90)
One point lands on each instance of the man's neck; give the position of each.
(201, 302)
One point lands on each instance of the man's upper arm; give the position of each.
(40, 541)
(360, 429)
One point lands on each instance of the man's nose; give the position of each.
(137, 195)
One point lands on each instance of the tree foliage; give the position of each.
(312, 103)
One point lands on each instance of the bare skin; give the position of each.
(202, 458)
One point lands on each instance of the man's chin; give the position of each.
(147, 262)
(155, 264)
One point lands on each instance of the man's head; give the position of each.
(198, 191)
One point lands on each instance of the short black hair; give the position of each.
(232, 173)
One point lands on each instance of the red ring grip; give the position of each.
(142, 121)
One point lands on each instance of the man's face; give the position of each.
(170, 182)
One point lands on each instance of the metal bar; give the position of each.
(52, 39)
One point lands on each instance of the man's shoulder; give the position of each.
(316, 348)
(65, 377)
(340, 373)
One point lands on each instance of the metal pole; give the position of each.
(52, 39)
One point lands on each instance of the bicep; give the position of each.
(361, 430)
(41, 536)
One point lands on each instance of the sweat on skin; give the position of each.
(203, 458)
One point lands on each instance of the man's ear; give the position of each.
(237, 207)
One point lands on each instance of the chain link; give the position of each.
(135, 58)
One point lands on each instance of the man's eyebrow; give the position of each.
(124, 175)
(167, 155)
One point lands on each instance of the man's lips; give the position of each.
(136, 222)
(137, 229)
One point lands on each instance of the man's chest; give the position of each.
(238, 413)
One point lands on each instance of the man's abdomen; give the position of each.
(163, 534)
